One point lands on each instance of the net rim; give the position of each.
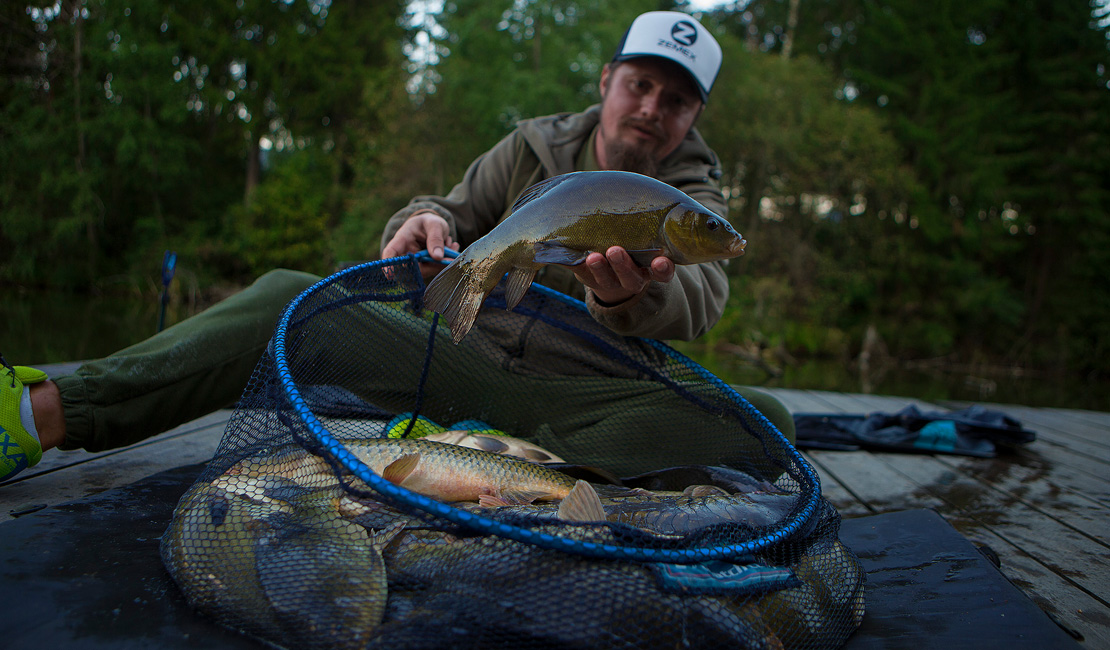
(810, 482)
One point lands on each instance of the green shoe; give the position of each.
(18, 448)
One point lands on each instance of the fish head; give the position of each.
(694, 235)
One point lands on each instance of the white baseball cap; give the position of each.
(678, 37)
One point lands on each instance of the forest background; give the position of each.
(919, 182)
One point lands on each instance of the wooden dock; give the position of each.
(1042, 510)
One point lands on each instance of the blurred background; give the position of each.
(923, 185)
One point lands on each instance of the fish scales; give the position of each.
(563, 219)
(453, 473)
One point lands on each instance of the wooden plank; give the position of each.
(1094, 437)
(872, 482)
(1057, 494)
(798, 401)
(75, 475)
(1074, 608)
(835, 493)
(1067, 551)
(830, 402)
(1090, 440)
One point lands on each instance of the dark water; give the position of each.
(52, 327)
(44, 327)
(933, 385)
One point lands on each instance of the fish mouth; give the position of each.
(736, 246)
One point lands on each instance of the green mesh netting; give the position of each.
(324, 522)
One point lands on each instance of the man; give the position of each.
(652, 93)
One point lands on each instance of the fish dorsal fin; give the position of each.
(539, 189)
(581, 504)
(400, 469)
(553, 252)
(516, 285)
(703, 491)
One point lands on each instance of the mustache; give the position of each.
(650, 126)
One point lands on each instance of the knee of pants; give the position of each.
(286, 281)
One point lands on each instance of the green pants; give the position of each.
(204, 363)
(191, 369)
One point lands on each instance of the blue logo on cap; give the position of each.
(684, 32)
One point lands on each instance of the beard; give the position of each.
(639, 158)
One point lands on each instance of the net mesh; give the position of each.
(323, 521)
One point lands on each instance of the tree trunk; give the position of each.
(254, 169)
(791, 27)
(79, 159)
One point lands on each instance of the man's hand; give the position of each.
(423, 230)
(614, 277)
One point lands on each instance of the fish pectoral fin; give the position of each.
(581, 504)
(492, 501)
(400, 469)
(383, 537)
(644, 257)
(552, 252)
(516, 285)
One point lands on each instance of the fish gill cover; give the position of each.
(670, 512)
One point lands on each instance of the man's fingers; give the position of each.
(662, 269)
(629, 276)
(435, 241)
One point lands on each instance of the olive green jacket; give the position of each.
(543, 147)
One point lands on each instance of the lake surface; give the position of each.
(52, 327)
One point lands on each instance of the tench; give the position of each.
(563, 219)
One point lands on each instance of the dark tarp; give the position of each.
(973, 431)
(87, 575)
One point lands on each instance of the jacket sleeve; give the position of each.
(474, 206)
(684, 308)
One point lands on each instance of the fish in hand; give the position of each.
(562, 220)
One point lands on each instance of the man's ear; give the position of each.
(603, 85)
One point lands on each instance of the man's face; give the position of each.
(647, 107)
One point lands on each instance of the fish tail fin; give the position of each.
(457, 295)
(581, 504)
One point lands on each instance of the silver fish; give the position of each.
(561, 220)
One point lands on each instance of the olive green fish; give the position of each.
(453, 473)
(278, 560)
(439, 470)
(564, 218)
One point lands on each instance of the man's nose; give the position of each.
(651, 106)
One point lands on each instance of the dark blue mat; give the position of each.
(88, 575)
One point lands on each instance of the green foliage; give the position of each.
(286, 222)
(933, 169)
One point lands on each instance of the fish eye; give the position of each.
(713, 224)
